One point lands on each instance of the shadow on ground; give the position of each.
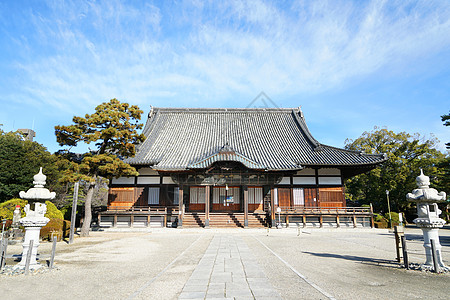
(368, 260)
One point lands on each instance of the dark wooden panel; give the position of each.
(331, 197)
(284, 197)
(310, 194)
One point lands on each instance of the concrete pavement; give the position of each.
(228, 270)
(232, 264)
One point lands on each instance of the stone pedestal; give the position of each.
(33, 227)
(428, 218)
(35, 219)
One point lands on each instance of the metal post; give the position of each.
(74, 212)
(433, 253)
(27, 261)
(4, 245)
(389, 209)
(52, 258)
(405, 253)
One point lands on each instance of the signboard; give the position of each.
(229, 199)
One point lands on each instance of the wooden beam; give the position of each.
(272, 207)
(245, 206)
(372, 224)
(207, 204)
(180, 207)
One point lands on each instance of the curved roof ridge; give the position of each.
(299, 117)
(223, 109)
(354, 151)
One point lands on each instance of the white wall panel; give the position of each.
(330, 180)
(304, 180)
(148, 180)
(123, 180)
(285, 180)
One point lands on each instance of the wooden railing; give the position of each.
(141, 209)
(326, 210)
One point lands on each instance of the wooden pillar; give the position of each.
(337, 221)
(207, 204)
(180, 207)
(304, 219)
(245, 206)
(354, 220)
(372, 225)
(287, 220)
(321, 221)
(272, 207)
(148, 220)
(131, 219)
(115, 220)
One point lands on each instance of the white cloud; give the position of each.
(93, 51)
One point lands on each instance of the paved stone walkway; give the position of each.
(228, 270)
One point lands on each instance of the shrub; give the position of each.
(378, 218)
(381, 224)
(7, 208)
(394, 217)
(53, 212)
(60, 227)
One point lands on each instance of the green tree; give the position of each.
(446, 120)
(113, 129)
(19, 161)
(407, 154)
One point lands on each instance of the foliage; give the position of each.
(58, 226)
(406, 154)
(378, 217)
(394, 217)
(7, 208)
(113, 129)
(20, 161)
(446, 120)
(53, 212)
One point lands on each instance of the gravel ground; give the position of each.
(343, 264)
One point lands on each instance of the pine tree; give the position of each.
(113, 129)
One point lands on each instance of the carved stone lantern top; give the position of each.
(425, 194)
(38, 192)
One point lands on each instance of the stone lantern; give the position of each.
(428, 217)
(34, 220)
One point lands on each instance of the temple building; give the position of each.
(242, 167)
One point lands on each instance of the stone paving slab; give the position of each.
(227, 270)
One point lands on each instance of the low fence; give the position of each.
(137, 216)
(325, 217)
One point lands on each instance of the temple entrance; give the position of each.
(226, 199)
(197, 196)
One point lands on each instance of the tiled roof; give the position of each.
(259, 138)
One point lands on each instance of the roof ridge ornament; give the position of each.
(226, 149)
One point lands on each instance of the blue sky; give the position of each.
(351, 65)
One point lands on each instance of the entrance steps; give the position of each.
(224, 220)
